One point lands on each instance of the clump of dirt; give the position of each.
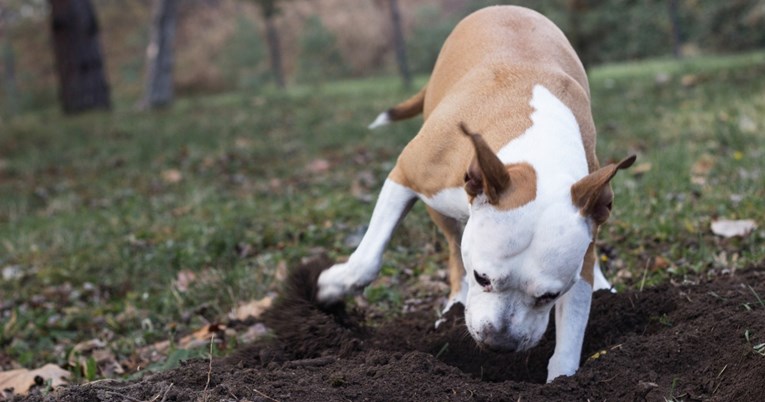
(305, 329)
(702, 341)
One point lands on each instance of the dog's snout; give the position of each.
(496, 338)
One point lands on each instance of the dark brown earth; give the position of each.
(700, 341)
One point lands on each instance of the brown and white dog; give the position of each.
(528, 189)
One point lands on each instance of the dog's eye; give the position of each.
(482, 280)
(546, 298)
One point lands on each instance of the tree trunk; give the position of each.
(159, 55)
(275, 51)
(399, 45)
(674, 19)
(9, 79)
(79, 63)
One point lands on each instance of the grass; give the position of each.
(99, 213)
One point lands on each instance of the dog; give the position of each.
(505, 162)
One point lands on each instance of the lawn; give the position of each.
(133, 227)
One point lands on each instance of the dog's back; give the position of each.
(484, 76)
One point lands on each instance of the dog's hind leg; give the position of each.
(364, 264)
(452, 230)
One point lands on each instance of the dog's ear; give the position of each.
(592, 194)
(486, 174)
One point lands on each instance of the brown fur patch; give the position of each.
(523, 187)
(588, 264)
(484, 76)
(593, 195)
(408, 108)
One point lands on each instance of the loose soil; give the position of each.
(696, 341)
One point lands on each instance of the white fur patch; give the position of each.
(382, 119)
(552, 145)
(451, 202)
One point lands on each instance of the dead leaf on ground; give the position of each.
(251, 309)
(100, 353)
(641, 168)
(281, 271)
(172, 176)
(21, 380)
(184, 279)
(731, 228)
(253, 333)
(746, 124)
(703, 165)
(660, 262)
(202, 336)
(689, 80)
(159, 350)
(318, 166)
(701, 169)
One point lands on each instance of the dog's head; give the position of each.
(523, 250)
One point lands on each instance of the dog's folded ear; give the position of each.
(486, 174)
(592, 194)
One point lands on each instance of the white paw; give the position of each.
(561, 367)
(332, 286)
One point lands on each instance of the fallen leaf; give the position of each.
(100, 353)
(660, 262)
(21, 380)
(243, 143)
(746, 124)
(731, 228)
(641, 168)
(703, 165)
(318, 166)
(184, 279)
(281, 271)
(172, 176)
(689, 80)
(202, 336)
(253, 308)
(253, 333)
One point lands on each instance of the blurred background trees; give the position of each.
(222, 45)
(79, 61)
(160, 57)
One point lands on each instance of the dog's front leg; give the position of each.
(571, 314)
(364, 263)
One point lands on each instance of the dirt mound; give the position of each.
(702, 341)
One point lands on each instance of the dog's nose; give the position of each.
(496, 339)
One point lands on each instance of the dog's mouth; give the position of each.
(503, 342)
(510, 346)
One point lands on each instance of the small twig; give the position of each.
(645, 272)
(129, 398)
(443, 349)
(209, 369)
(264, 395)
(315, 362)
(166, 392)
(762, 303)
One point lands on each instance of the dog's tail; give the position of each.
(404, 110)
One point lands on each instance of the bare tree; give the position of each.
(9, 64)
(79, 62)
(269, 9)
(399, 44)
(159, 55)
(674, 19)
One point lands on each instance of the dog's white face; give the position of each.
(518, 263)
